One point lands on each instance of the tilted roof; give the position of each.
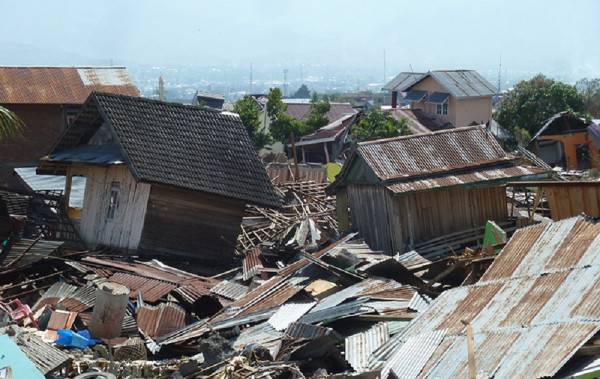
(459, 83)
(531, 311)
(300, 111)
(61, 85)
(403, 80)
(177, 145)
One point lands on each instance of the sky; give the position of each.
(526, 35)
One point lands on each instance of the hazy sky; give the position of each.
(543, 36)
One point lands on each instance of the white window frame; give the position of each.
(113, 200)
(442, 109)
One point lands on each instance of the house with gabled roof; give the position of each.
(46, 99)
(162, 178)
(457, 97)
(405, 190)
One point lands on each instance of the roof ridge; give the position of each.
(443, 131)
(163, 102)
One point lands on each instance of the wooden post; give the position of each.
(326, 152)
(67, 194)
(471, 350)
(303, 155)
(297, 171)
(538, 198)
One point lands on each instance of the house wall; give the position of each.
(191, 224)
(389, 222)
(461, 112)
(125, 229)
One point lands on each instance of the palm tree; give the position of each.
(10, 124)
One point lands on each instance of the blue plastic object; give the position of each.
(86, 335)
(68, 338)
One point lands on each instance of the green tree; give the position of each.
(302, 93)
(376, 124)
(281, 124)
(317, 116)
(249, 112)
(534, 101)
(590, 90)
(10, 124)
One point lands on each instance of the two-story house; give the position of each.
(456, 97)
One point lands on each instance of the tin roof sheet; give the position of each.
(532, 309)
(289, 313)
(52, 182)
(403, 80)
(415, 95)
(80, 300)
(359, 346)
(464, 83)
(355, 307)
(61, 85)
(230, 290)
(151, 289)
(298, 330)
(413, 355)
(482, 175)
(57, 292)
(259, 334)
(161, 320)
(252, 263)
(415, 155)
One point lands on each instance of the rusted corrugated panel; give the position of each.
(161, 320)
(259, 334)
(479, 176)
(298, 330)
(359, 346)
(80, 300)
(61, 85)
(54, 294)
(531, 311)
(252, 263)
(101, 272)
(230, 290)
(352, 308)
(151, 290)
(289, 313)
(389, 307)
(413, 355)
(273, 299)
(419, 302)
(403, 157)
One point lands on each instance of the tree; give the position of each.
(302, 93)
(249, 112)
(590, 90)
(376, 124)
(534, 101)
(10, 124)
(281, 124)
(316, 117)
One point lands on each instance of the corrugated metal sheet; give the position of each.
(464, 83)
(412, 260)
(61, 85)
(412, 356)
(289, 313)
(403, 157)
(38, 251)
(54, 294)
(261, 334)
(230, 290)
(403, 80)
(152, 290)
(389, 307)
(161, 320)
(482, 175)
(80, 300)
(359, 346)
(53, 182)
(532, 309)
(419, 302)
(298, 330)
(352, 308)
(252, 263)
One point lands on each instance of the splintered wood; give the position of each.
(302, 200)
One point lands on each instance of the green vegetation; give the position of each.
(302, 93)
(249, 112)
(534, 101)
(10, 124)
(376, 124)
(590, 90)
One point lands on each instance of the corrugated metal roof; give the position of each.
(352, 308)
(252, 263)
(482, 175)
(406, 156)
(419, 302)
(80, 300)
(412, 356)
(415, 95)
(261, 334)
(419, 121)
(289, 313)
(57, 292)
(438, 97)
(152, 290)
(464, 83)
(61, 85)
(53, 182)
(230, 290)
(298, 330)
(403, 80)
(300, 111)
(39, 250)
(359, 346)
(161, 320)
(532, 309)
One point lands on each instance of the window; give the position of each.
(442, 109)
(113, 201)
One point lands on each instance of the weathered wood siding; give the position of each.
(125, 229)
(389, 222)
(573, 200)
(192, 224)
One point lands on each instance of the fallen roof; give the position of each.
(61, 85)
(532, 310)
(419, 121)
(187, 147)
(329, 132)
(300, 111)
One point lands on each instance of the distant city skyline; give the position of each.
(325, 38)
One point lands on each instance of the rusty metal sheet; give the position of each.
(359, 346)
(61, 85)
(252, 263)
(54, 294)
(160, 320)
(481, 175)
(152, 290)
(80, 300)
(230, 290)
(298, 330)
(429, 153)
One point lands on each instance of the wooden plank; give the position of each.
(576, 200)
(590, 201)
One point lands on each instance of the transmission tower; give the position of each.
(285, 82)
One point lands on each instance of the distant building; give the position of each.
(455, 97)
(208, 99)
(47, 99)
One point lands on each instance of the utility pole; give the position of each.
(285, 82)
(499, 73)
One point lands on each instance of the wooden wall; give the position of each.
(125, 229)
(570, 200)
(192, 224)
(389, 222)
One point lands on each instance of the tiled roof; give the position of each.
(61, 85)
(182, 146)
(300, 111)
(408, 156)
(531, 311)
